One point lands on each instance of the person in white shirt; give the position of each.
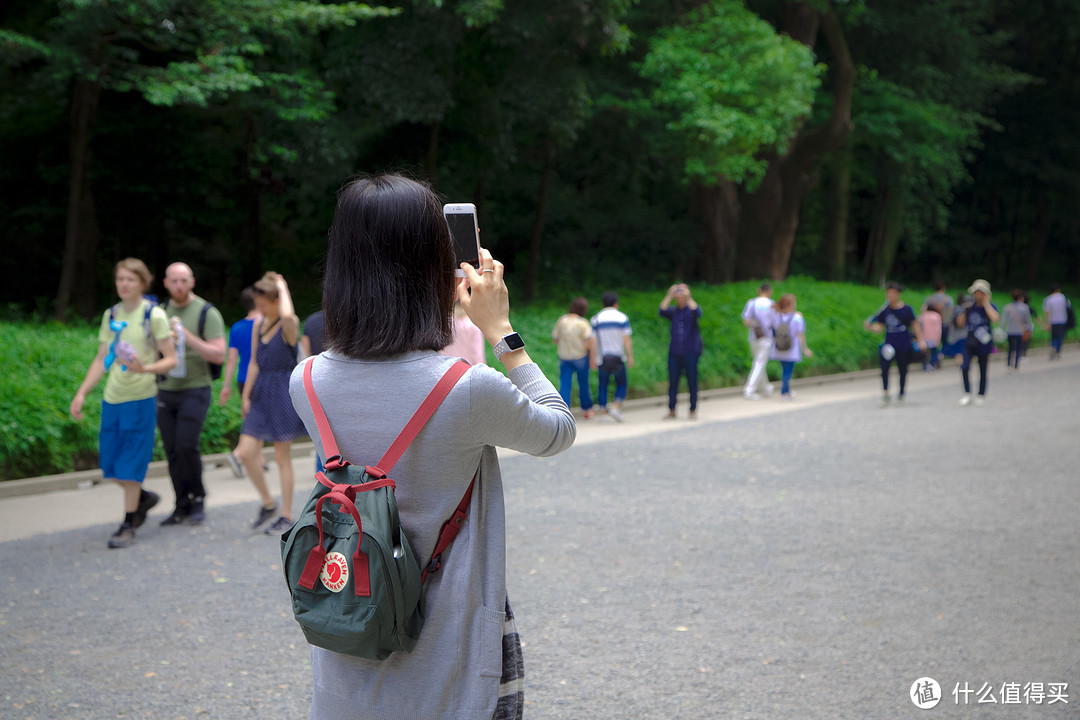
(1056, 315)
(754, 316)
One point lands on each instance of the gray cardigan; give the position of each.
(455, 670)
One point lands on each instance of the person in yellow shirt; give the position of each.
(132, 334)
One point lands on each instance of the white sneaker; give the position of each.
(751, 396)
(966, 400)
(615, 413)
(769, 389)
(979, 400)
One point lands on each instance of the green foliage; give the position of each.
(43, 364)
(737, 88)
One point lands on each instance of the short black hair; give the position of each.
(894, 286)
(247, 299)
(764, 287)
(609, 299)
(389, 283)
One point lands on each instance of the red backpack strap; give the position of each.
(326, 436)
(449, 531)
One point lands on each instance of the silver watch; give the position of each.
(509, 343)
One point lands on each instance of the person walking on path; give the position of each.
(944, 303)
(267, 408)
(788, 329)
(755, 315)
(132, 334)
(684, 351)
(897, 319)
(1018, 326)
(576, 344)
(184, 397)
(1055, 319)
(613, 354)
(237, 362)
(978, 316)
(930, 323)
(382, 360)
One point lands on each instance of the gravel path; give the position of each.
(809, 564)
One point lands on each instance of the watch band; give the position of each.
(509, 343)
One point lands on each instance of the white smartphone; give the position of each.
(465, 231)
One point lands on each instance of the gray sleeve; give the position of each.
(522, 412)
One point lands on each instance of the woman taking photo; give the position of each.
(388, 298)
(266, 406)
(132, 333)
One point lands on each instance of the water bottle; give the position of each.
(181, 364)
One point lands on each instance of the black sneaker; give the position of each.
(177, 518)
(281, 525)
(264, 515)
(123, 537)
(197, 514)
(146, 501)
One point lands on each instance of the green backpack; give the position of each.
(355, 583)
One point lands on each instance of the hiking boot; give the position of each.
(123, 537)
(147, 500)
(265, 513)
(197, 512)
(178, 516)
(234, 463)
(281, 525)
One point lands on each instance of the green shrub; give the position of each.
(43, 364)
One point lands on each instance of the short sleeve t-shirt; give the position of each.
(571, 332)
(240, 339)
(757, 309)
(198, 372)
(611, 326)
(978, 327)
(123, 385)
(897, 322)
(1055, 308)
(313, 329)
(796, 324)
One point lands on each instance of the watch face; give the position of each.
(514, 342)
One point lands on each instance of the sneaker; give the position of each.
(692, 416)
(979, 400)
(671, 415)
(785, 397)
(588, 414)
(769, 390)
(900, 399)
(123, 537)
(198, 513)
(751, 396)
(147, 500)
(282, 524)
(177, 517)
(265, 513)
(615, 413)
(234, 463)
(885, 400)
(966, 400)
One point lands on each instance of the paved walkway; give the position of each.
(770, 560)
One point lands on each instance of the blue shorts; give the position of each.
(126, 439)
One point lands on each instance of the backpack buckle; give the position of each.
(434, 565)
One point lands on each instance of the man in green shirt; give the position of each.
(184, 395)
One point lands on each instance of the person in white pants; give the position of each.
(755, 316)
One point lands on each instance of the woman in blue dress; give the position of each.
(266, 406)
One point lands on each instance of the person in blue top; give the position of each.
(978, 317)
(237, 361)
(685, 348)
(897, 319)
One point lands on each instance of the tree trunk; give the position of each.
(532, 272)
(887, 224)
(1041, 233)
(84, 104)
(251, 234)
(834, 244)
(718, 207)
(771, 213)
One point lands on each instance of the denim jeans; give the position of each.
(984, 369)
(678, 365)
(1057, 336)
(619, 376)
(567, 370)
(787, 369)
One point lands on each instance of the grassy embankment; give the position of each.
(43, 364)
